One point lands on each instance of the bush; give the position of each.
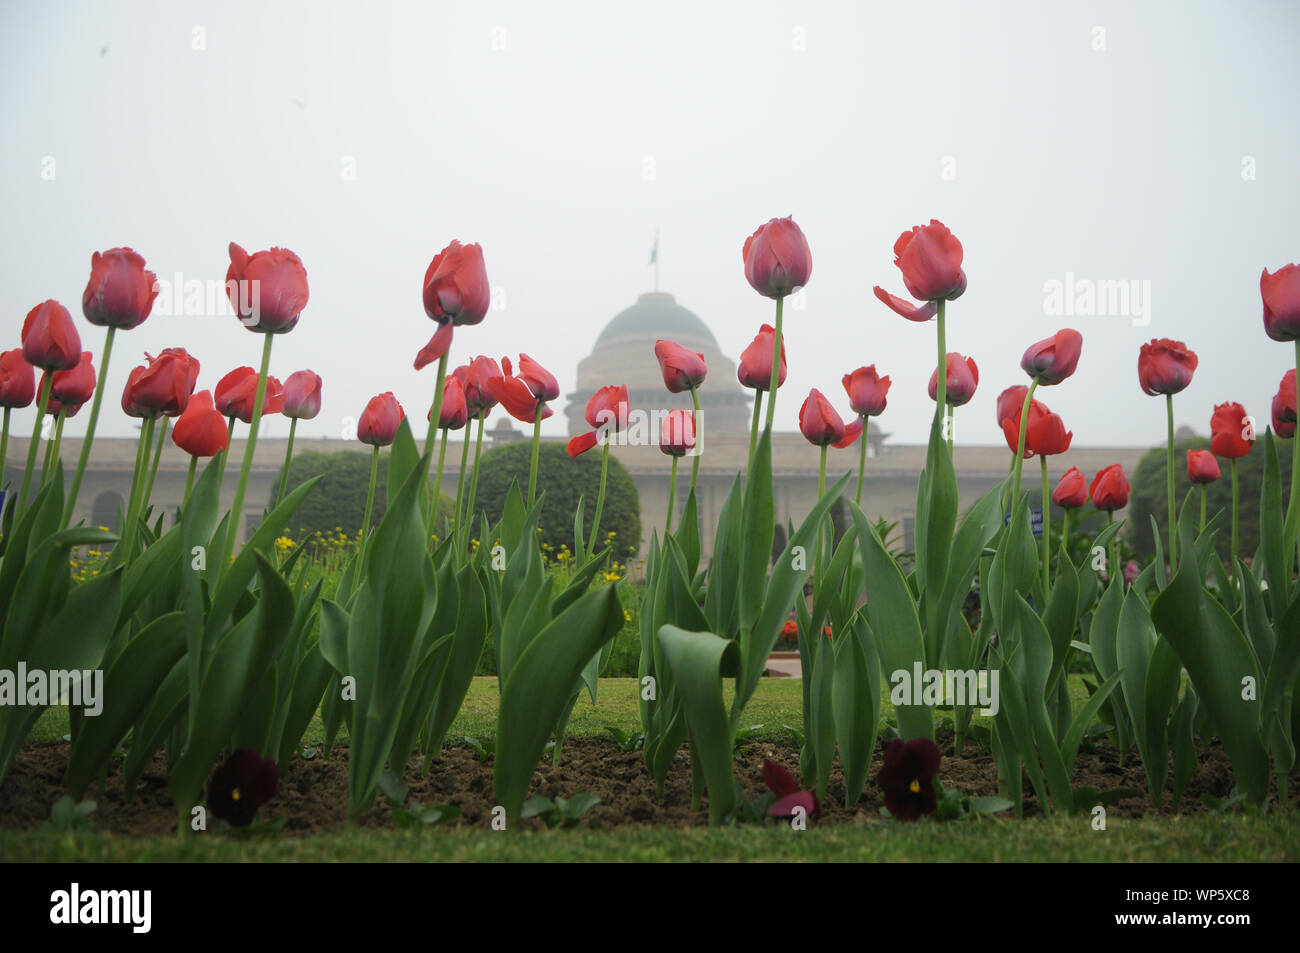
(562, 481)
(339, 499)
(1148, 497)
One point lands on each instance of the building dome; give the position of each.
(624, 354)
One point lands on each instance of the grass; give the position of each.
(1204, 837)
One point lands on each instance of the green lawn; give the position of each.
(1234, 837)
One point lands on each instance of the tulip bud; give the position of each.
(75, 386)
(1231, 431)
(120, 292)
(1165, 366)
(17, 380)
(201, 430)
(268, 289)
(777, 260)
(1281, 294)
(868, 392)
(380, 420)
(456, 288)
(1110, 489)
(819, 422)
(683, 369)
(962, 376)
(302, 395)
(1053, 360)
(755, 369)
(677, 433)
(50, 339)
(1202, 467)
(1072, 490)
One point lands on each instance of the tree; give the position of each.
(339, 499)
(1148, 497)
(561, 482)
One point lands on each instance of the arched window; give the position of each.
(107, 509)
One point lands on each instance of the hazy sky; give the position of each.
(1152, 142)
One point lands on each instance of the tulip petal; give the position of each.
(913, 312)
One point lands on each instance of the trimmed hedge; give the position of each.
(562, 481)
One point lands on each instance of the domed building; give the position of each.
(624, 354)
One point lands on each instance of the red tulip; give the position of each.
(819, 422)
(930, 257)
(1010, 402)
(1131, 572)
(456, 288)
(163, 386)
(963, 377)
(268, 288)
(120, 292)
(453, 414)
(1110, 489)
(230, 387)
(609, 407)
(1054, 359)
(380, 420)
(789, 795)
(1072, 490)
(475, 380)
(1011, 424)
(17, 380)
(1047, 435)
(683, 369)
(77, 385)
(302, 395)
(677, 433)
(1231, 431)
(240, 398)
(755, 370)
(1281, 294)
(867, 391)
(1284, 406)
(1165, 366)
(852, 431)
(517, 397)
(1202, 467)
(438, 345)
(50, 339)
(539, 380)
(777, 259)
(201, 430)
(52, 407)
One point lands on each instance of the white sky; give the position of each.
(1125, 163)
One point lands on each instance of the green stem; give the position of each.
(84, 457)
(1291, 530)
(189, 480)
(4, 448)
(1020, 444)
(370, 495)
(52, 446)
(753, 428)
(232, 531)
(941, 372)
(1235, 537)
(821, 491)
(1047, 529)
(862, 457)
(775, 379)
(1114, 548)
(153, 471)
(435, 415)
(532, 465)
(1169, 482)
(225, 453)
(437, 483)
(473, 481)
(672, 491)
(1065, 536)
(42, 402)
(600, 495)
(1202, 526)
(288, 459)
(137, 490)
(695, 452)
(462, 476)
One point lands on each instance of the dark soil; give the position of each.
(313, 794)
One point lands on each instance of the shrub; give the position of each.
(563, 481)
(339, 499)
(1148, 497)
